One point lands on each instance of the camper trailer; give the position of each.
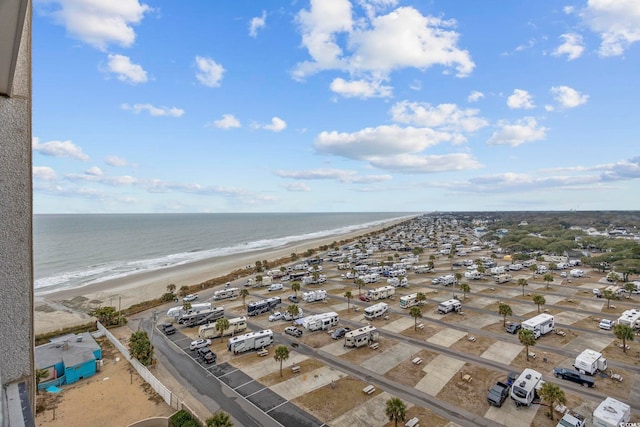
(361, 337)
(313, 296)
(630, 318)
(611, 413)
(576, 272)
(263, 306)
(503, 278)
(449, 306)
(266, 281)
(177, 312)
(498, 270)
(376, 310)
(226, 293)
(524, 388)
(590, 362)
(380, 293)
(409, 301)
(541, 324)
(321, 322)
(236, 325)
(250, 341)
(473, 275)
(201, 317)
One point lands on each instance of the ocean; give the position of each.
(75, 250)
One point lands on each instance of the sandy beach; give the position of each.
(65, 308)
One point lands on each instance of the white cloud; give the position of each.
(59, 149)
(411, 163)
(296, 187)
(360, 88)
(94, 170)
(209, 72)
(277, 125)
(445, 116)
(100, 23)
(572, 46)
(514, 134)
(520, 99)
(475, 96)
(341, 175)
(568, 97)
(117, 161)
(227, 121)
(44, 173)
(257, 23)
(125, 70)
(154, 111)
(568, 10)
(616, 21)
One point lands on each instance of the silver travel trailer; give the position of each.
(590, 362)
(226, 293)
(524, 388)
(630, 318)
(361, 337)
(611, 413)
(250, 341)
(321, 322)
(236, 325)
(376, 310)
(448, 306)
(541, 324)
(313, 296)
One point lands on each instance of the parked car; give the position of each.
(190, 297)
(339, 333)
(606, 324)
(293, 299)
(513, 328)
(276, 316)
(573, 375)
(207, 355)
(293, 331)
(168, 329)
(199, 343)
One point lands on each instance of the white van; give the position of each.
(275, 287)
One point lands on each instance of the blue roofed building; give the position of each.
(68, 358)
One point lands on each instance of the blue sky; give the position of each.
(335, 105)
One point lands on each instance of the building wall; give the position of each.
(16, 264)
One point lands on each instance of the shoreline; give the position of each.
(64, 308)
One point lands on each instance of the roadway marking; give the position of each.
(241, 385)
(276, 407)
(255, 392)
(230, 372)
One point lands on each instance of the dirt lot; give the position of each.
(471, 395)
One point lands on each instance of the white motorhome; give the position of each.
(201, 317)
(630, 318)
(344, 266)
(396, 282)
(250, 341)
(177, 312)
(376, 310)
(515, 267)
(473, 275)
(617, 290)
(421, 269)
(380, 293)
(361, 337)
(266, 281)
(541, 324)
(448, 306)
(576, 273)
(237, 324)
(498, 270)
(226, 293)
(611, 413)
(524, 388)
(590, 362)
(503, 278)
(409, 301)
(312, 296)
(321, 322)
(276, 274)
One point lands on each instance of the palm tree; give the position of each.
(359, 284)
(505, 310)
(219, 419)
(282, 354)
(533, 268)
(415, 312)
(421, 297)
(608, 295)
(41, 374)
(523, 283)
(464, 287)
(629, 287)
(293, 310)
(244, 293)
(295, 287)
(548, 278)
(171, 288)
(458, 277)
(222, 324)
(552, 394)
(259, 279)
(348, 296)
(396, 410)
(539, 300)
(624, 333)
(527, 339)
(186, 306)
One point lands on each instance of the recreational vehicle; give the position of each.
(397, 282)
(313, 296)
(237, 324)
(376, 310)
(201, 317)
(541, 324)
(409, 301)
(498, 270)
(177, 312)
(630, 318)
(361, 337)
(576, 273)
(611, 413)
(503, 278)
(226, 293)
(250, 341)
(380, 293)
(263, 306)
(524, 388)
(473, 275)
(449, 306)
(266, 281)
(321, 322)
(590, 362)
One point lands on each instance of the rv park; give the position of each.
(441, 363)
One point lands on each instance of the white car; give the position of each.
(276, 316)
(606, 324)
(190, 297)
(199, 344)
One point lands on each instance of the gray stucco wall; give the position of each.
(16, 261)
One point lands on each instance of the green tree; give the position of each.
(184, 290)
(505, 310)
(629, 287)
(140, 347)
(523, 283)
(348, 296)
(259, 266)
(293, 310)
(186, 306)
(108, 316)
(421, 297)
(533, 269)
(416, 313)
(41, 374)
(553, 266)
(219, 419)
(608, 294)
(244, 293)
(458, 277)
(464, 287)
(171, 288)
(539, 300)
(222, 324)
(552, 394)
(431, 265)
(527, 339)
(294, 256)
(396, 410)
(359, 284)
(548, 278)
(259, 279)
(624, 333)
(281, 354)
(295, 287)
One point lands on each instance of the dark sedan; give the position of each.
(573, 375)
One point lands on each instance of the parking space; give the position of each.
(438, 373)
(289, 414)
(511, 415)
(369, 414)
(266, 400)
(502, 352)
(302, 384)
(447, 337)
(390, 358)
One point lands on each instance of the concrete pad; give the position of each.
(383, 362)
(509, 293)
(522, 309)
(438, 373)
(553, 299)
(634, 394)
(479, 321)
(400, 324)
(595, 304)
(339, 307)
(266, 365)
(479, 302)
(337, 348)
(446, 337)
(369, 414)
(595, 342)
(502, 352)
(306, 382)
(569, 317)
(510, 415)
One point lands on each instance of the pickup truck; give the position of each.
(498, 394)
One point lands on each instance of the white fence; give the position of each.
(142, 370)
